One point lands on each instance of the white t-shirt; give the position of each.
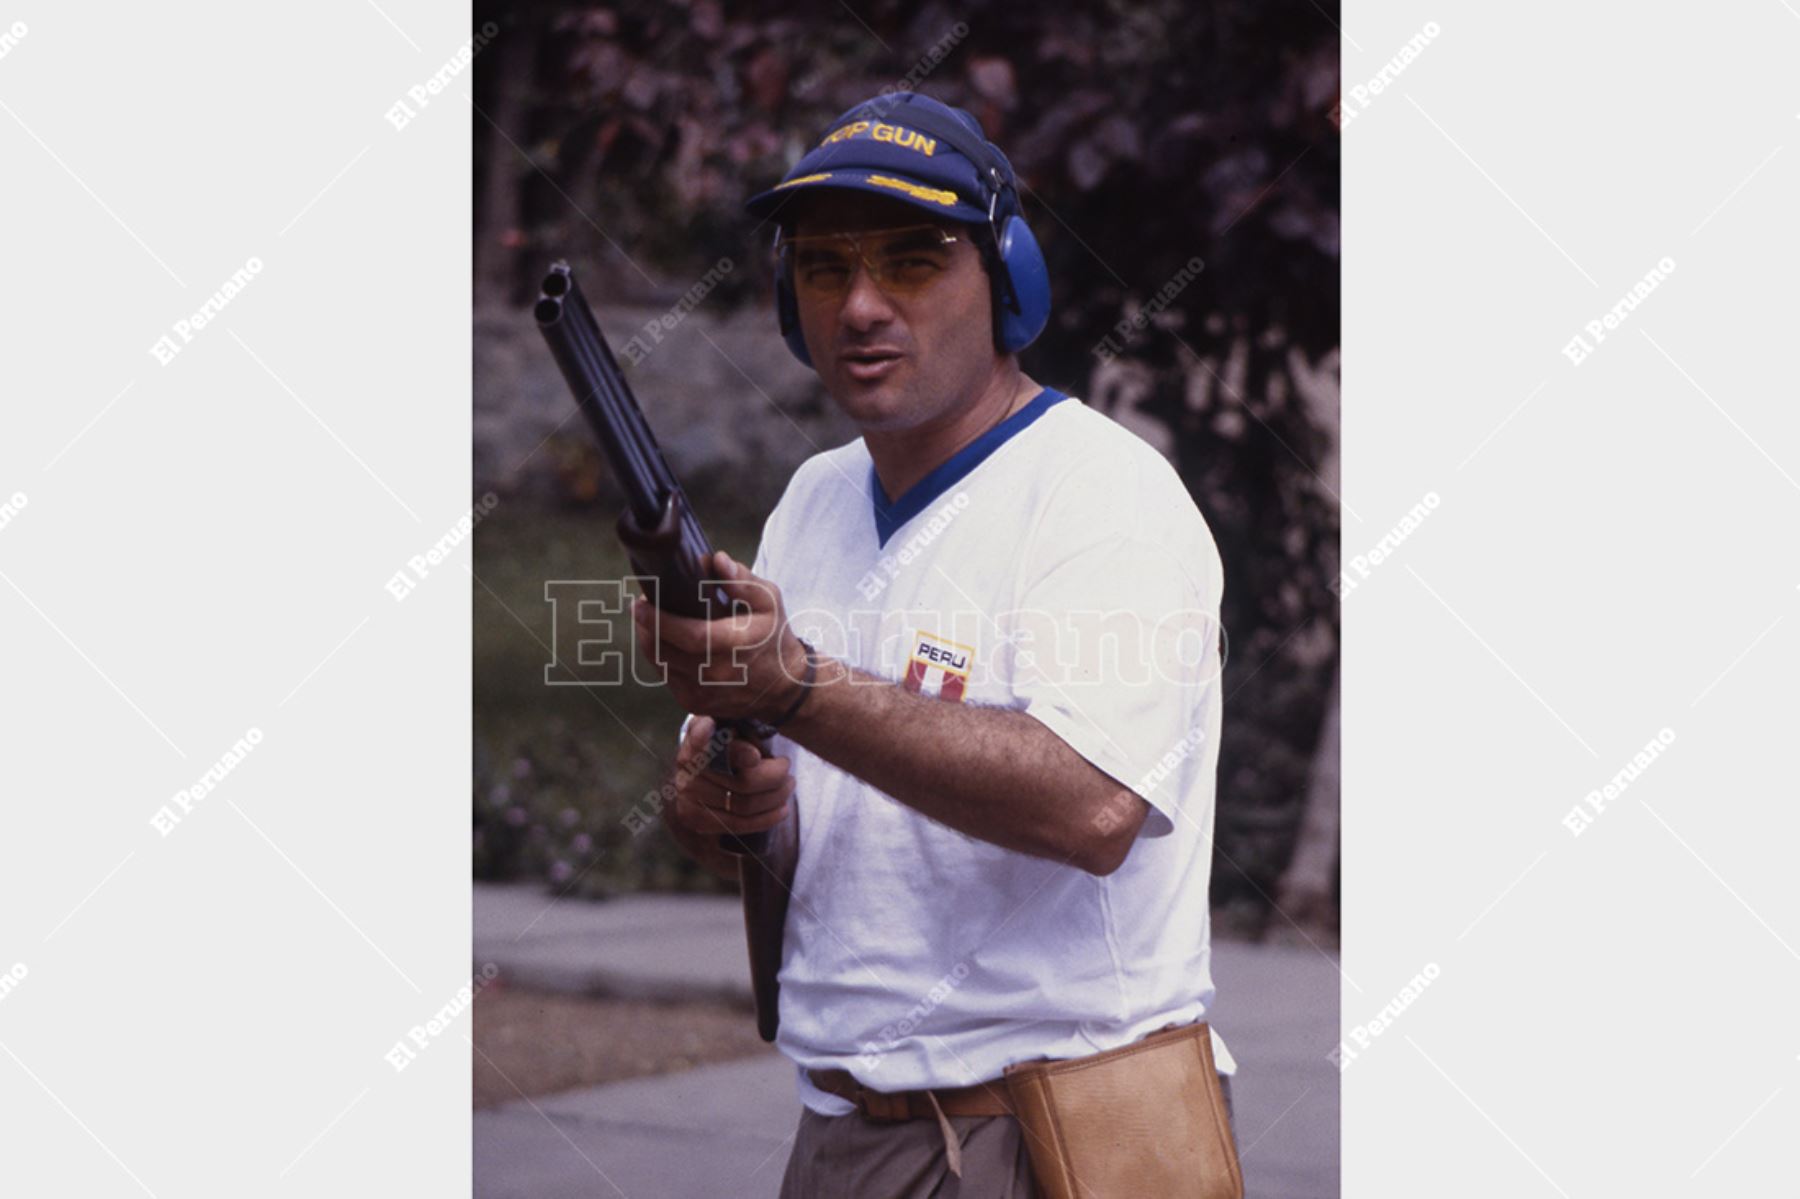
(1017, 574)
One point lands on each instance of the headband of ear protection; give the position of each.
(1019, 279)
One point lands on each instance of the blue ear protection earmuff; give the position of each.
(1021, 314)
(787, 311)
(1019, 277)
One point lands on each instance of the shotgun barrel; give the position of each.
(668, 549)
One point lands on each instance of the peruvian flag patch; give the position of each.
(938, 667)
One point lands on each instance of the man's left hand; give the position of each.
(744, 666)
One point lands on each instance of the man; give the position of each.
(987, 630)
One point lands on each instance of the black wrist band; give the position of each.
(806, 686)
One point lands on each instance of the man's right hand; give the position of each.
(708, 805)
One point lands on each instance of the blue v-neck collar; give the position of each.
(889, 517)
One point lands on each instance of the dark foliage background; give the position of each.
(1146, 135)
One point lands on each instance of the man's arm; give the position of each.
(993, 773)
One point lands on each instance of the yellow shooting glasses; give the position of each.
(902, 262)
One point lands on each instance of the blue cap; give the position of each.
(900, 146)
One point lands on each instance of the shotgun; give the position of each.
(667, 548)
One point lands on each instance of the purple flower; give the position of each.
(516, 816)
(582, 843)
(560, 872)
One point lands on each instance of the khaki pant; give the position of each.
(853, 1157)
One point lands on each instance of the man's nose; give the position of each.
(865, 304)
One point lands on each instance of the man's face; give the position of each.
(892, 354)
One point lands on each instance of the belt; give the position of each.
(982, 1099)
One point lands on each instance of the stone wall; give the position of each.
(729, 405)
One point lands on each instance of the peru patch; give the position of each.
(938, 667)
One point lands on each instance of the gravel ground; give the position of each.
(541, 1044)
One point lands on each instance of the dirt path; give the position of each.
(541, 1044)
